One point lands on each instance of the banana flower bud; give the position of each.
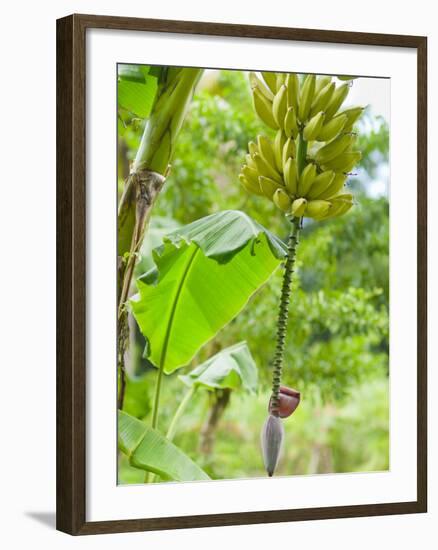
(272, 439)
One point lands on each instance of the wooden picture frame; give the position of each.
(71, 273)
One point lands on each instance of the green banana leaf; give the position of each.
(148, 450)
(136, 89)
(231, 368)
(204, 275)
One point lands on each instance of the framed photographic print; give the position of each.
(241, 274)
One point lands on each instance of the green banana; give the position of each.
(252, 148)
(268, 186)
(281, 79)
(279, 106)
(266, 169)
(313, 127)
(266, 150)
(293, 90)
(334, 148)
(344, 77)
(343, 163)
(335, 186)
(336, 101)
(291, 176)
(317, 209)
(306, 180)
(337, 209)
(255, 82)
(344, 197)
(322, 99)
(298, 207)
(271, 81)
(250, 162)
(249, 185)
(320, 184)
(289, 150)
(282, 200)
(290, 123)
(353, 114)
(263, 108)
(279, 141)
(331, 129)
(321, 82)
(306, 97)
(251, 175)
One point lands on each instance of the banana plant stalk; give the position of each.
(283, 315)
(148, 174)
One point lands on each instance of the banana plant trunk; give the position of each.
(144, 183)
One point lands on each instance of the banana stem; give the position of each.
(143, 187)
(178, 413)
(283, 314)
(301, 153)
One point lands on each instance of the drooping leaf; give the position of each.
(232, 368)
(148, 450)
(158, 228)
(205, 274)
(137, 97)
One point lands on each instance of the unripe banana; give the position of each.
(293, 90)
(314, 126)
(336, 101)
(337, 209)
(343, 163)
(281, 79)
(282, 200)
(268, 186)
(290, 123)
(279, 106)
(306, 180)
(344, 77)
(352, 114)
(249, 186)
(317, 209)
(336, 185)
(321, 82)
(291, 176)
(252, 148)
(306, 97)
(263, 108)
(332, 128)
(266, 169)
(344, 197)
(322, 99)
(256, 82)
(289, 150)
(271, 81)
(279, 141)
(252, 176)
(334, 148)
(250, 162)
(266, 151)
(298, 207)
(320, 184)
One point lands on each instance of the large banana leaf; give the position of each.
(148, 450)
(232, 368)
(204, 275)
(136, 89)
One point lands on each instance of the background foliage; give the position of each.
(337, 346)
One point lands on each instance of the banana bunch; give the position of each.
(303, 170)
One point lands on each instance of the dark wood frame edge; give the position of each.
(71, 262)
